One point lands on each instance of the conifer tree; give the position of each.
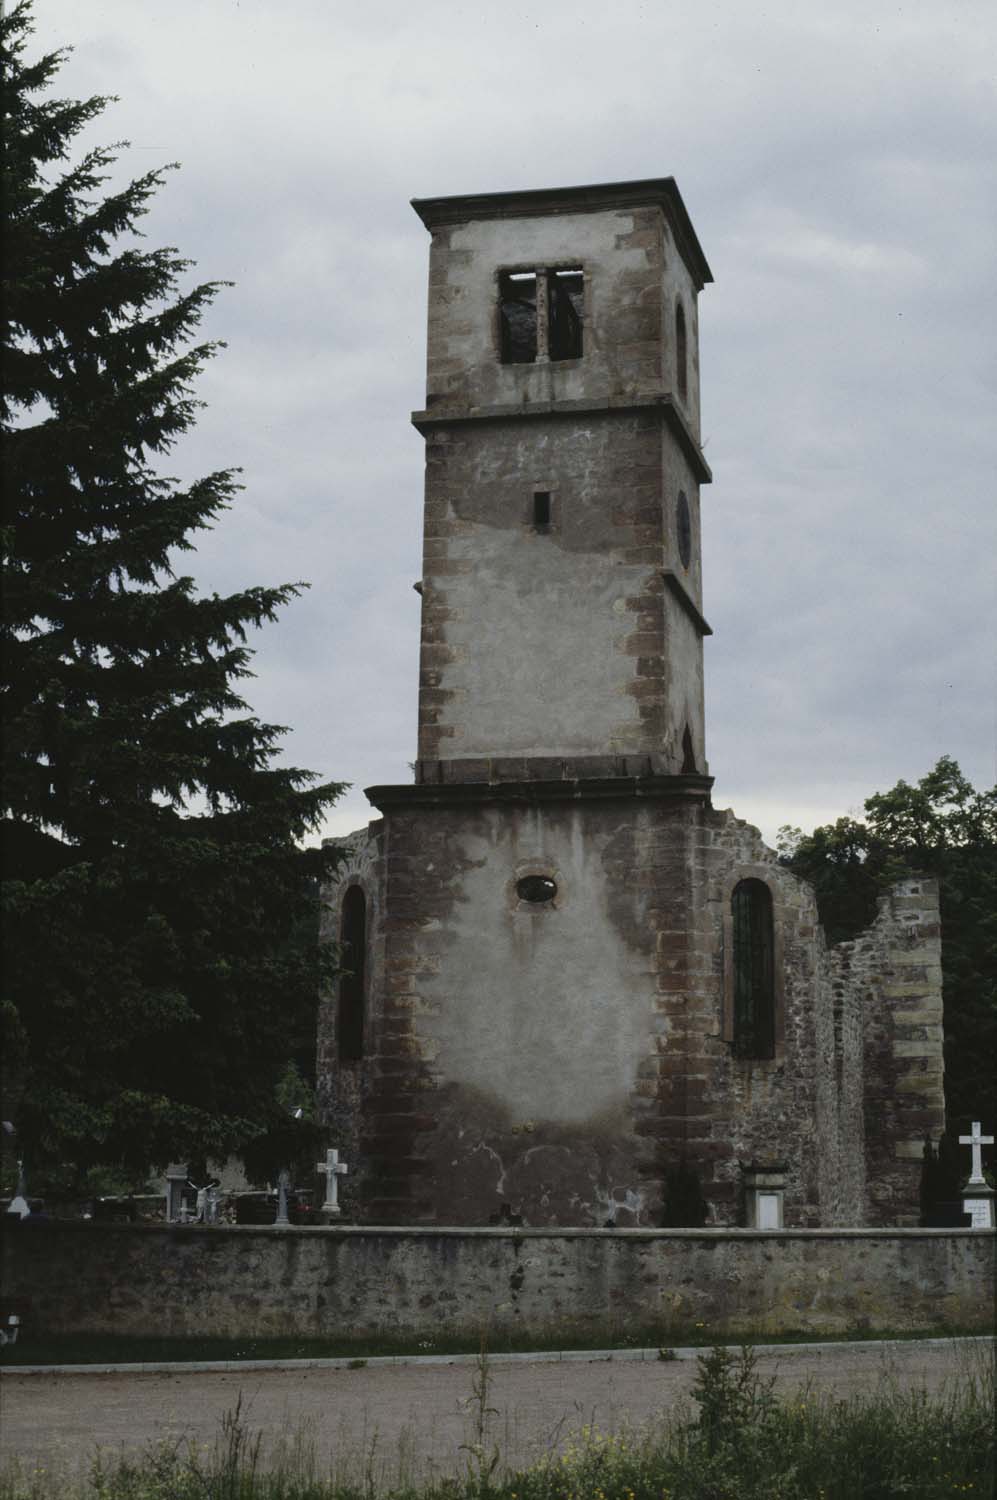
(155, 890)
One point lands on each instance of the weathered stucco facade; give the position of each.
(543, 1013)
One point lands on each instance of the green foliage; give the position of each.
(733, 1399)
(160, 916)
(943, 828)
(943, 1172)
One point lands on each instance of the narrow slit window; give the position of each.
(688, 753)
(683, 528)
(353, 956)
(754, 970)
(541, 508)
(518, 317)
(565, 304)
(681, 352)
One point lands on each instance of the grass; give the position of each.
(740, 1443)
(100, 1348)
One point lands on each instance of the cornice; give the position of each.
(591, 789)
(677, 588)
(516, 411)
(437, 213)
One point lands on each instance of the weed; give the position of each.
(742, 1443)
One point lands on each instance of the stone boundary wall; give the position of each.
(172, 1281)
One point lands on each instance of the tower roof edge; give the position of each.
(585, 198)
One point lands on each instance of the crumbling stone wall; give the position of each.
(558, 1059)
(343, 1089)
(887, 984)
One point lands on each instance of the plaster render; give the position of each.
(551, 642)
(558, 1060)
(634, 276)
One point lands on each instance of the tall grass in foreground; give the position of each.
(742, 1444)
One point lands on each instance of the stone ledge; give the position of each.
(478, 1232)
(591, 197)
(661, 401)
(596, 788)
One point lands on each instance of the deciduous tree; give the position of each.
(942, 827)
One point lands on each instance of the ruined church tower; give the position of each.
(562, 587)
(567, 973)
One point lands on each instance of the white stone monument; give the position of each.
(18, 1205)
(331, 1169)
(764, 1191)
(977, 1195)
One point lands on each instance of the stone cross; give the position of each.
(977, 1140)
(330, 1169)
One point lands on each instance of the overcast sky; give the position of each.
(837, 161)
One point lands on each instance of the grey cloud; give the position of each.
(837, 164)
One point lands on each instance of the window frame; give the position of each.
(763, 875)
(542, 274)
(681, 352)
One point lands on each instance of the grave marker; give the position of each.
(331, 1169)
(977, 1196)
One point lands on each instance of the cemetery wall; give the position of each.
(245, 1281)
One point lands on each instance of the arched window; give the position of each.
(681, 352)
(353, 956)
(754, 970)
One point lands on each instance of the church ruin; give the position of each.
(569, 975)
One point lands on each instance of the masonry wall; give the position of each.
(563, 640)
(887, 984)
(560, 641)
(555, 1061)
(634, 276)
(250, 1282)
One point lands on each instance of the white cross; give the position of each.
(977, 1140)
(330, 1169)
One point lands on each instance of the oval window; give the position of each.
(536, 888)
(683, 525)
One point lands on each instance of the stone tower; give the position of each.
(562, 589)
(567, 974)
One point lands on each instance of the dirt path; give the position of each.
(410, 1417)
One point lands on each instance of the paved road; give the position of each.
(413, 1417)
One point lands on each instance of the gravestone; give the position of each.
(331, 1169)
(978, 1195)
(283, 1183)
